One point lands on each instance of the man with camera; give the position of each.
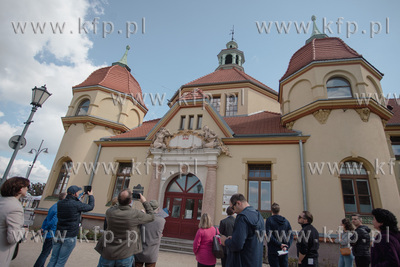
(122, 238)
(69, 217)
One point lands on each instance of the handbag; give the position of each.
(217, 249)
(345, 251)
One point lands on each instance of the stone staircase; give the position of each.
(176, 245)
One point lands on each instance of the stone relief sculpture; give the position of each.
(210, 138)
(160, 138)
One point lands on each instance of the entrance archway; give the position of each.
(183, 200)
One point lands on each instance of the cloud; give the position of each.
(33, 59)
(39, 173)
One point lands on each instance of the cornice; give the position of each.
(67, 121)
(278, 140)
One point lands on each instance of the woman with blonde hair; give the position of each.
(202, 244)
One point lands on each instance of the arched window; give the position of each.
(338, 88)
(63, 177)
(228, 59)
(186, 184)
(355, 188)
(83, 108)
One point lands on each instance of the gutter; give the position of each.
(95, 164)
(303, 178)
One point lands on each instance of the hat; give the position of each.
(73, 189)
(154, 204)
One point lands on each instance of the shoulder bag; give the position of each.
(217, 250)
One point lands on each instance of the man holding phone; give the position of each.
(122, 238)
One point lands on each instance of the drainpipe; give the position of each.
(303, 177)
(95, 164)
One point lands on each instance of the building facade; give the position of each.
(319, 144)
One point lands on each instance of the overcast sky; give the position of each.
(172, 43)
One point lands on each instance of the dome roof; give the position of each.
(325, 49)
(116, 78)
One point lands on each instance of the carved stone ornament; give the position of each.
(322, 115)
(289, 125)
(160, 139)
(89, 126)
(384, 122)
(116, 132)
(364, 113)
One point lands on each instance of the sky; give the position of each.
(172, 43)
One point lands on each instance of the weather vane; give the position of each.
(232, 31)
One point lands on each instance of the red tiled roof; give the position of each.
(395, 104)
(117, 78)
(328, 48)
(227, 75)
(261, 123)
(140, 131)
(195, 94)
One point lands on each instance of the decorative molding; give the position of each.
(116, 132)
(384, 122)
(289, 125)
(364, 113)
(322, 115)
(89, 126)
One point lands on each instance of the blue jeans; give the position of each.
(127, 262)
(62, 248)
(346, 261)
(46, 249)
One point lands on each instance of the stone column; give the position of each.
(154, 184)
(210, 192)
(234, 58)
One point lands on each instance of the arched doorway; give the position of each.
(183, 200)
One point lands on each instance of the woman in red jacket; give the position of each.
(202, 245)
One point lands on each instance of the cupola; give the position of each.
(231, 57)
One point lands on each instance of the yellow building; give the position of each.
(319, 144)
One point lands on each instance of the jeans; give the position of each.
(62, 248)
(127, 262)
(346, 261)
(46, 249)
(278, 261)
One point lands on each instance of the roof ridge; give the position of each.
(108, 72)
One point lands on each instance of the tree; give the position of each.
(36, 189)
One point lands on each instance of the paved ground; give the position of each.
(85, 255)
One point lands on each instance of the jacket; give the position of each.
(278, 232)
(246, 245)
(361, 241)
(151, 241)
(11, 227)
(202, 245)
(69, 214)
(308, 242)
(226, 228)
(122, 238)
(384, 253)
(49, 224)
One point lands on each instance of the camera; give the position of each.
(136, 195)
(136, 191)
(87, 188)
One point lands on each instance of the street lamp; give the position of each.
(39, 96)
(37, 152)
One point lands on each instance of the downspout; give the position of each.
(303, 177)
(95, 164)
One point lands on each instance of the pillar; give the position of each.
(210, 192)
(154, 184)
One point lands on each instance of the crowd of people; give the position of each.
(132, 237)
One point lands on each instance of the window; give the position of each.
(355, 188)
(231, 106)
(63, 177)
(191, 122)
(199, 121)
(183, 119)
(396, 146)
(83, 108)
(215, 102)
(259, 195)
(123, 178)
(338, 88)
(228, 59)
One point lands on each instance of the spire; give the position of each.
(316, 34)
(233, 32)
(123, 62)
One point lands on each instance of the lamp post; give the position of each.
(37, 152)
(39, 96)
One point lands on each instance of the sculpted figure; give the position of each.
(160, 138)
(210, 138)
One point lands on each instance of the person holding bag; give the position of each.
(346, 257)
(203, 242)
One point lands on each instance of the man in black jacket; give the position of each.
(226, 229)
(361, 242)
(279, 237)
(69, 216)
(307, 241)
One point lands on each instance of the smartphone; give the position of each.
(136, 195)
(87, 188)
